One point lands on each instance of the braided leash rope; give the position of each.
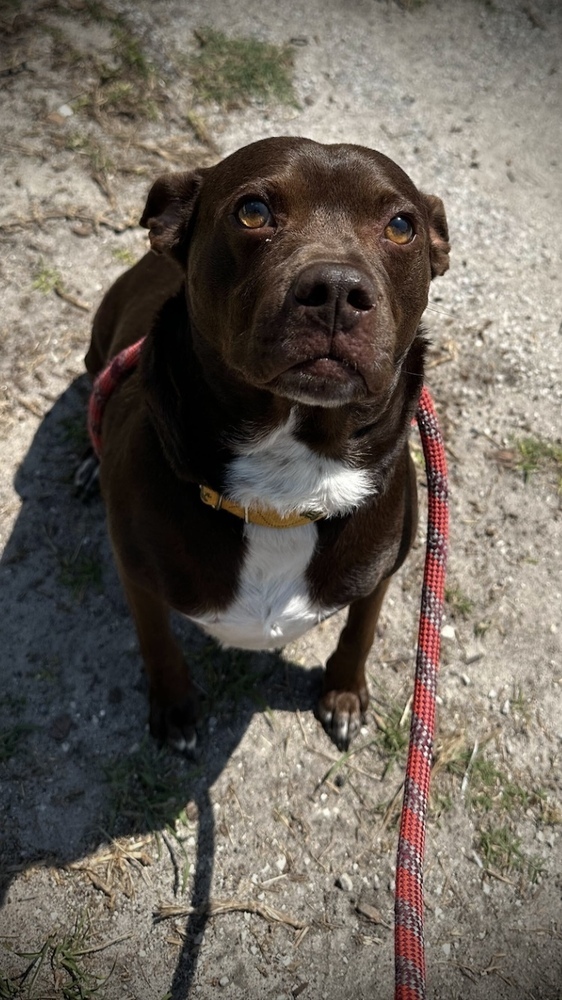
(409, 951)
(409, 948)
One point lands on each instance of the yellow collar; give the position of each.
(264, 516)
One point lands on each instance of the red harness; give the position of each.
(105, 383)
(409, 951)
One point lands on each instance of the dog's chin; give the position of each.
(320, 382)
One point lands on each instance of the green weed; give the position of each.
(233, 71)
(393, 732)
(63, 958)
(147, 790)
(534, 454)
(46, 279)
(75, 432)
(227, 675)
(10, 740)
(81, 572)
(501, 850)
(93, 151)
(129, 53)
(459, 603)
(124, 256)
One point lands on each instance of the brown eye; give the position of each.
(254, 215)
(399, 230)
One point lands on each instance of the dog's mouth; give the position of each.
(322, 381)
(324, 367)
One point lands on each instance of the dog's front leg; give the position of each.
(345, 698)
(174, 705)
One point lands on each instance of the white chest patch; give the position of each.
(272, 605)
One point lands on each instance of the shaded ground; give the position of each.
(104, 835)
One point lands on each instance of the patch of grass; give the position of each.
(122, 97)
(15, 703)
(46, 279)
(535, 454)
(99, 12)
(75, 432)
(227, 675)
(129, 52)
(8, 987)
(234, 71)
(62, 958)
(501, 850)
(124, 256)
(93, 151)
(148, 791)
(488, 790)
(393, 731)
(126, 85)
(519, 703)
(10, 740)
(81, 572)
(459, 603)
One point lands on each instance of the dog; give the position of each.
(255, 466)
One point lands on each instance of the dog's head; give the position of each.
(307, 266)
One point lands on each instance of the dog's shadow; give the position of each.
(73, 698)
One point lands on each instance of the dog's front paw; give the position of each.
(341, 713)
(175, 725)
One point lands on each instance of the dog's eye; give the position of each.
(254, 214)
(399, 230)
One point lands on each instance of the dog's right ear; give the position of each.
(168, 211)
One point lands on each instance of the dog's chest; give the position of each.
(273, 604)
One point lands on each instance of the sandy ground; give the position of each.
(101, 833)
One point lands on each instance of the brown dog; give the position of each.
(255, 466)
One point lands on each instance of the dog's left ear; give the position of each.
(438, 234)
(169, 209)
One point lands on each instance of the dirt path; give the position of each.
(113, 852)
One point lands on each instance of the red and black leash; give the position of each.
(409, 948)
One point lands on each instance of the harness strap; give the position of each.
(105, 384)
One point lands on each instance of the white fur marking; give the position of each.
(272, 605)
(281, 472)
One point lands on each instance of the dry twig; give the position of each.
(217, 907)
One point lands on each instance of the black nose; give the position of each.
(336, 294)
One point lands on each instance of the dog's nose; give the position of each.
(337, 294)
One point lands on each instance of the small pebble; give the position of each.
(224, 981)
(473, 653)
(344, 882)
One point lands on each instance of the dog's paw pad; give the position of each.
(341, 714)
